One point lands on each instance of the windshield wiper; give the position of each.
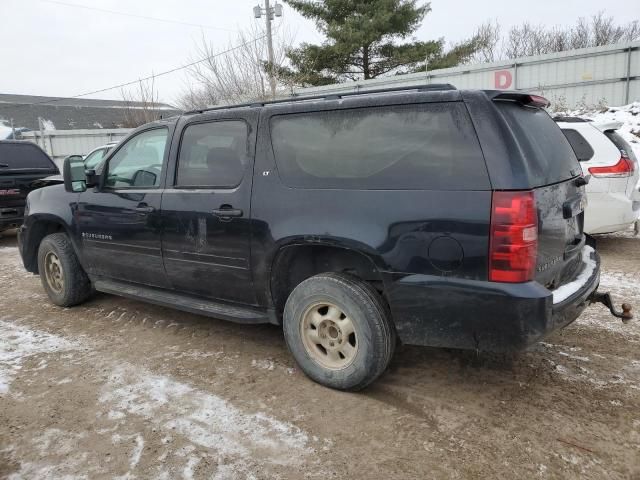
(4, 165)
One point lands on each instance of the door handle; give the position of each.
(144, 209)
(227, 212)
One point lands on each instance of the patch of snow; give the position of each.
(48, 124)
(18, 343)
(203, 419)
(565, 291)
(263, 364)
(5, 132)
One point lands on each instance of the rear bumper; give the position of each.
(610, 212)
(485, 316)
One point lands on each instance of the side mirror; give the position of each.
(73, 174)
(92, 179)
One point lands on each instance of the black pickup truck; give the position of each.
(429, 215)
(23, 166)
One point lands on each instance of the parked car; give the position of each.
(95, 156)
(22, 166)
(613, 195)
(440, 217)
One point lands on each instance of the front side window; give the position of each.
(138, 164)
(213, 154)
(423, 147)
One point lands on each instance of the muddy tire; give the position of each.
(339, 330)
(61, 274)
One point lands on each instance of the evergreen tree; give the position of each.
(366, 39)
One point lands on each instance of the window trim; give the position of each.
(111, 155)
(177, 186)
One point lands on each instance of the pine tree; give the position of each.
(366, 39)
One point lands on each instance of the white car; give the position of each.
(95, 156)
(613, 199)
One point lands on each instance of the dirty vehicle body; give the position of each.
(613, 191)
(440, 217)
(22, 166)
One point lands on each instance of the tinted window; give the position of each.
(580, 146)
(138, 164)
(550, 158)
(425, 146)
(24, 156)
(94, 158)
(213, 154)
(621, 143)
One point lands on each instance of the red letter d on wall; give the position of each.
(503, 79)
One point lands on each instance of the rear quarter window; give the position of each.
(581, 147)
(430, 146)
(24, 156)
(548, 155)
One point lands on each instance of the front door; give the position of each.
(119, 222)
(206, 211)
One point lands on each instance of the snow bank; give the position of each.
(5, 132)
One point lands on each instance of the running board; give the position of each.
(185, 303)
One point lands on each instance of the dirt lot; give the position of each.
(120, 388)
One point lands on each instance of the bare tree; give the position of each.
(237, 76)
(527, 39)
(142, 104)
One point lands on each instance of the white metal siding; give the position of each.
(59, 144)
(588, 76)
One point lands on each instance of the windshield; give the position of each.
(94, 158)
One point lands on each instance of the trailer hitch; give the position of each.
(605, 299)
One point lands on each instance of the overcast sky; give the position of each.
(56, 50)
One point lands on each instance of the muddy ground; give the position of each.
(119, 388)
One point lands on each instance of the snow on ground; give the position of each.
(18, 343)
(5, 132)
(203, 419)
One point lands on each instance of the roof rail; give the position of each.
(331, 96)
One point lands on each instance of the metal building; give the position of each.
(608, 75)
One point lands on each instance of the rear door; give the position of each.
(545, 160)
(206, 208)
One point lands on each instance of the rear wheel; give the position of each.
(61, 274)
(338, 329)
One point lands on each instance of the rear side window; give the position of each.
(213, 154)
(423, 147)
(24, 156)
(580, 146)
(621, 143)
(549, 157)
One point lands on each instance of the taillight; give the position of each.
(624, 168)
(514, 237)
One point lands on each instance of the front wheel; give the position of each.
(338, 329)
(61, 274)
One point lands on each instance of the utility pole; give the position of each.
(269, 14)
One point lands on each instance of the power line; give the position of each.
(134, 15)
(133, 82)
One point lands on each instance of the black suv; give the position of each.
(23, 166)
(429, 215)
